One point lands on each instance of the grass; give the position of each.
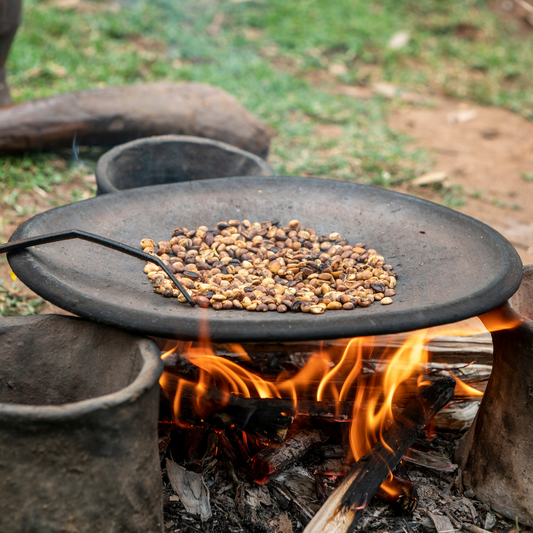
(40, 170)
(13, 302)
(457, 48)
(268, 54)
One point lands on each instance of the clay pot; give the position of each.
(496, 454)
(10, 17)
(173, 158)
(78, 428)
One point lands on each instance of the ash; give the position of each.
(292, 495)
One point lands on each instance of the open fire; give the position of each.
(354, 382)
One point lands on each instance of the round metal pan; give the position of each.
(450, 266)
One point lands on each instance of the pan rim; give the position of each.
(31, 272)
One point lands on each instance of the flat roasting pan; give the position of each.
(450, 266)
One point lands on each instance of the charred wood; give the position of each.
(404, 500)
(259, 513)
(344, 507)
(272, 459)
(222, 410)
(464, 525)
(287, 500)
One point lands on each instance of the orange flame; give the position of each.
(327, 376)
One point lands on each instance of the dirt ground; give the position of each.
(485, 153)
(31, 203)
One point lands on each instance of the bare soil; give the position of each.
(30, 203)
(488, 152)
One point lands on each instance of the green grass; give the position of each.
(457, 47)
(12, 302)
(266, 54)
(39, 170)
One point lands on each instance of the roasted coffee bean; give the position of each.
(145, 243)
(271, 267)
(201, 300)
(190, 274)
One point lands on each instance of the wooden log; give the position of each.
(114, 115)
(344, 507)
(181, 368)
(265, 418)
(444, 348)
(221, 410)
(287, 500)
(273, 459)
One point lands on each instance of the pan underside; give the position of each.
(450, 266)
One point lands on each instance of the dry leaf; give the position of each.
(430, 178)
(40, 192)
(442, 523)
(385, 89)
(398, 40)
(462, 116)
(89, 179)
(355, 91)
(252, 34)
(191, 489)
(66, 4)
(337, 69)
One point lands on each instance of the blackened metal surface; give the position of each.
(450, 266)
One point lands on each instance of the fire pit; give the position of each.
(78, 415)
(451, 267)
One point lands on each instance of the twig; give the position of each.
(456, 523)
(96, 239)
(474, 529)
(344, 507)
(463, 525)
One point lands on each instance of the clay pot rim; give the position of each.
(103, 166)
(149, 374)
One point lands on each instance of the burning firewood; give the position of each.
(344, 507)
(265, 418)
(269, 418)
(401, 493)
(222, 410)
(272, 459)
